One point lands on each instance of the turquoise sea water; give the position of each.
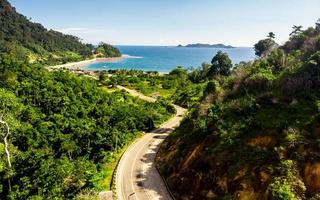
(164, 59)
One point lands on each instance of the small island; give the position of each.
(201, 45)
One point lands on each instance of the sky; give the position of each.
(172, 22)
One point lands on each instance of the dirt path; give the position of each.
(137, 94)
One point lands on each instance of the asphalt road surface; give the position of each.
(136, 176)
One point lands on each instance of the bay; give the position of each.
(164, 59)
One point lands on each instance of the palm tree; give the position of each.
(271, 35)
(296, 30)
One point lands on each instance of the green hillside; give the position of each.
(255, 132)
(60, 134)
(31, 41)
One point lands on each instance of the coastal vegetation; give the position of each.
(252, 130)
(60, 133)
(107, 51)
(180, 86)
(255, 132)
(64, 130)
(265, 46)
(32, 42)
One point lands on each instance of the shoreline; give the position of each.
(78, 67)
(83, 63)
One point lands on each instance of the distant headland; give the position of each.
(207, 45)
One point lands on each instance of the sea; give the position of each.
(166, 58)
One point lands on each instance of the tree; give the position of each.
(296, 30)
(179, 72)
(103, 75)
(318, 24)
(106, 50)
(271, 35)
(9, 108)
(263, 47)
(5, 132)
(221, 64)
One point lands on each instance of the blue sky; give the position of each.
(172, 22)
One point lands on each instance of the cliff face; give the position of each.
(256, 135)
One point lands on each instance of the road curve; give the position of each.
(136, 175)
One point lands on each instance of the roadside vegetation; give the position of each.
(180, 86)
(60, 134)
(64, 130)
(255, 132)
(252, 131)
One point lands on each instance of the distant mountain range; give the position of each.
(207, 45)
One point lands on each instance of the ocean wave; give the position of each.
(129, 56)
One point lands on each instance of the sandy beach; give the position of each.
(78, 67)
(80, 64)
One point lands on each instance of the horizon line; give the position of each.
(171, 45)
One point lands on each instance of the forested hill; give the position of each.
(31, 41)
(60, 133)
(255, 133)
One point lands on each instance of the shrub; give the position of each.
(288, 184)
(211, 87)
(263, 47)
(281, 190)
(292, 136)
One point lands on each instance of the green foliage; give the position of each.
(179, 72)
(253, 132)
(107, 51)
(277, 60)
(176, 86)
(211, 87)
(64, 128)
(288, 184)
(199, 74)
(281, 190)
(31, 41)
(271, 35)
(263, 47)
(293, 136)
(260, 73)
(221, 64)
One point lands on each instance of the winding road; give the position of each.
(137, 176)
